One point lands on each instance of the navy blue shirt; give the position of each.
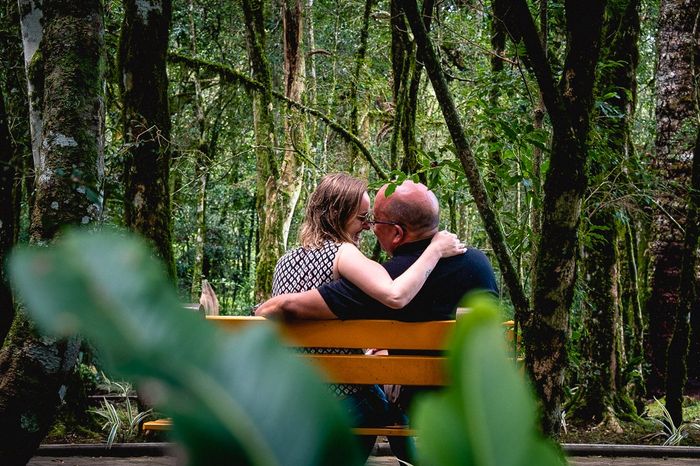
(451, 279)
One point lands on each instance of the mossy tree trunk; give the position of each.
(269, 241)
(354, 98)
(34, 368)
(568, 104)
(296, 145)
(406, 70)
(676, 362)
(676, 128)
(602, 349)
(146, 120)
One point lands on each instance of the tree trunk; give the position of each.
(676, 119)
(296, 146)
(201, 170)
(602, 312)
(146, 118)
(407, 70)
(677, 372)
(269, 232)
(33, 367)
(30, 21)
(360, 56)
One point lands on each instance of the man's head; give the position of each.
(410, 213)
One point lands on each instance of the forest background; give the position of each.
(559, 136)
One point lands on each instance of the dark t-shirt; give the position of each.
(451, 279)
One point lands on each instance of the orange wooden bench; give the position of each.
(360, 368)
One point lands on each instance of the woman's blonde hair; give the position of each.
(334, 202)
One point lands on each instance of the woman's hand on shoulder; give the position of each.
(447, 244)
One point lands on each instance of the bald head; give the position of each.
(412, 205)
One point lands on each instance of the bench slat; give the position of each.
(389, 431)
(386, 334)
(361, 369)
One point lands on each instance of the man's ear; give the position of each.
(399, 236)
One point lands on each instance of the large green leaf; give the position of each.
(486, 417)
(234, 398)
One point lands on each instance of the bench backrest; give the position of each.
(360, 368)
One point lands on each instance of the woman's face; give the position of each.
(358, 222)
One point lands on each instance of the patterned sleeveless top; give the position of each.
(305, 269)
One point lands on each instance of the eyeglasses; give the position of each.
(368, 218)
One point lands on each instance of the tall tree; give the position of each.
(406, 70)
(296, 147)
(676, 123)
(676, 361)
(603, 346)
(675, 144)
(33, 367)
(201, 166)
(270, 245)
(146, 119)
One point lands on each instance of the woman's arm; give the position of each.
(374, 280)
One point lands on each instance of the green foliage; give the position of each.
(670, 432)
(124, 422)
(486, 406)
(221, 390)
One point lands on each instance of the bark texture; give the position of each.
(34, 368)
(677, 369)
(269, 241)
(146, 119)
(603, 349)
(676, 123)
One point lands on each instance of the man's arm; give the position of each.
(306, 305)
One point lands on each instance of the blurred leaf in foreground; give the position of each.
(487, 416)
(234, 398)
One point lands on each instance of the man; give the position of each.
(404, 223)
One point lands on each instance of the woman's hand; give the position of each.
(447, 244)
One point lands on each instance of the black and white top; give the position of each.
(303, 269)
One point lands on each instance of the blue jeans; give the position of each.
(368, 408)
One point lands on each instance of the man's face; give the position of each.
(386, 234)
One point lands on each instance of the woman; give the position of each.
(336, 215)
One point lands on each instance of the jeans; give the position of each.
(368, 408)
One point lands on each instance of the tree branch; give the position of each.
(231, 74)
(518, 18)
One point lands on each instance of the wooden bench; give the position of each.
(360, 368)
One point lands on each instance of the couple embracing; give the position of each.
(328, 277)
